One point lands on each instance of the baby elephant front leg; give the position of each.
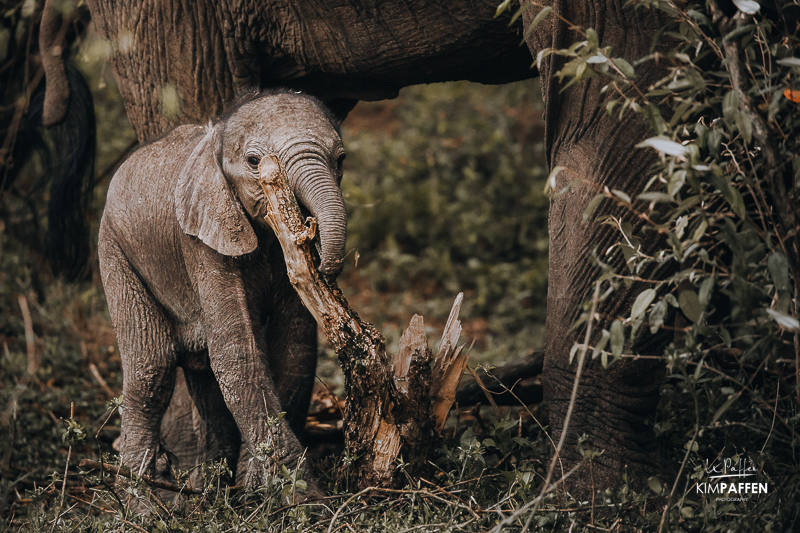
(148, 364)
(250, 395)
(240, 364)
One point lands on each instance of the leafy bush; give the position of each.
(724, 201)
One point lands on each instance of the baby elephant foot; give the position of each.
(140, 494)
(297, 484)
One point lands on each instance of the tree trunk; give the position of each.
(395, 404)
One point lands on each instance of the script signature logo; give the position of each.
(742, 467)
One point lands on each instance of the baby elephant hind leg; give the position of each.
(216, 430)
(148, 365)
(292, 349)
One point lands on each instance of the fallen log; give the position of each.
(394, 404)
(511, 384)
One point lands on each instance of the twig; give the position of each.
(535, 502)
(665, 513)
(126, 472)
(778, 180)
(774, 415)
(486, 392)
(30, 338)
(101, 381)
(69, 456)
(573, 397)
(134, 526)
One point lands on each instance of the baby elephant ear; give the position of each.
(205, 205)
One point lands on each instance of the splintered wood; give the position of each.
(394, 404)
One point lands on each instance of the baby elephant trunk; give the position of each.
(316, 189)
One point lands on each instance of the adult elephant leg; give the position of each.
(612, 406)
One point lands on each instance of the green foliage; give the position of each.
(722, 204)
(44, 374)
(483, 478)
(450, 199)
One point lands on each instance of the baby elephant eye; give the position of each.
(253, 160)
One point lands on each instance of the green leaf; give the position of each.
(700, 231)
(654, 484)
(659, 197)
(789, 62)
(714, 142)
(705, 290)
(657, 315)
(625, 68)
(597, 59)
(734, 197)
(621, 195)
(550, 184)
(664, 145)
(540, 16)
(520, 12)
(748, 7)
(730, 107)
(594, 40)
(502, 7)
(642, 303)
(543, 54)
(726, 337)
(778, 268)
(599, 348)
(690, 305)
(783, 320)
(739, 33)
(573, 351)
(593, 203)
(656, 120)
(617, 338)
(676, 181)
(745, 126)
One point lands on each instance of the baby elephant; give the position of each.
(195, 278)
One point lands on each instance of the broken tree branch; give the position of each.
(519, 376)
(393, 403)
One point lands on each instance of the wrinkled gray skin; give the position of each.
(196, 280)
(346, 50)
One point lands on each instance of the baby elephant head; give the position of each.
(219, 182)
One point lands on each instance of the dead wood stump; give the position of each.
(395, 404)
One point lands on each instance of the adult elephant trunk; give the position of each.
(316, 189)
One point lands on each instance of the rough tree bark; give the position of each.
(395, 404)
